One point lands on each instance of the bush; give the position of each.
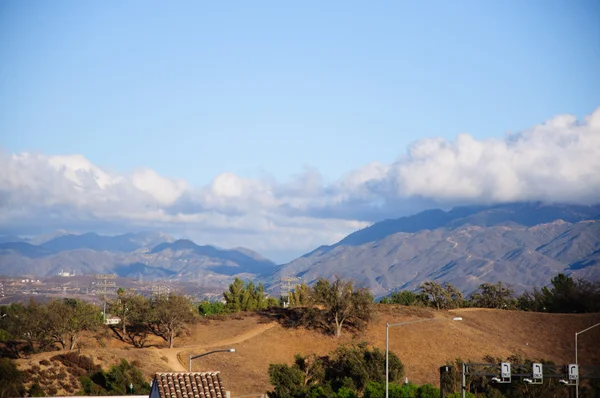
(45, 362)
(11, 379)
(428, 391)
(74, 360)
(36, 391)
(346, 392)
(207, 308)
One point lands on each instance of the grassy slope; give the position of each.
(422, 347)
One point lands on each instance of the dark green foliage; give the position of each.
(119, 377)
(565, 295)
(396, 390)
(272, 302)
(29, 322)
(170, 316)
(245, 297)
(115, 381)
(67, 318)
(36, 391)
(208, 308)
(300, 296)
(139, 317)
(346, 372)
(490, 295)
(361, 365)
(445, 296)
(405, 297)
(11, 379)
(345, 392)
(289, 381)
(428, 391)
(343, 305)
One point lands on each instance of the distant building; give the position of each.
(112, 320)
(66, 273)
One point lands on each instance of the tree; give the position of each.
(245, 297)
(135, 313)
(207, 308)
(490, 295)
(343, 373)
(404, 297)
(68, 318)
(357, 365)
(442, 297)
(11, 379)
(342, 303)
(170, 316)
(28, 322)
(288, 381)
(119, 377)
(235, 296)
(564, 295)
(121, 308)
(139, 318)
(300, 297)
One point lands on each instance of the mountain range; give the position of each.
(148, 255)
(523, 244)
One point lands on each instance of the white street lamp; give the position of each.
(387, 339)
(208, 353)
(577, 363)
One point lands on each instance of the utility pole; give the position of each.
(286, 286)
(103, 283)
(159, 290)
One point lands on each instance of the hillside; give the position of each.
(422, 347)
(466, 247)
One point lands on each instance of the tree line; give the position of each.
(329, 305)
(358, 370)
(37, 327)
(563, 295)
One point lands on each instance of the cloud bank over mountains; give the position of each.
(557, 161)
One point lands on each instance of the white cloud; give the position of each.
(555, 161)
(165, 191)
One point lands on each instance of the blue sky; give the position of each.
(286, 92)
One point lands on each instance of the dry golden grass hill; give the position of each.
(422, 347)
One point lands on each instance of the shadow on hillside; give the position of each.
(295, 317)
(310, 318)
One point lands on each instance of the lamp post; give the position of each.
(577, 363)
(387, 346)
(208, 353)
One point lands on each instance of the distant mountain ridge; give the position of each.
(523, 244)
(526, 214)
(149, 254)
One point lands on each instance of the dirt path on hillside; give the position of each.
(177, 363)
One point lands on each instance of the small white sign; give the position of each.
(573, 372)
(538, 372)
(505, 369)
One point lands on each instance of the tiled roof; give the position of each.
(189, 385)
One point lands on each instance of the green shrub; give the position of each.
(11, 379)
(36, 391)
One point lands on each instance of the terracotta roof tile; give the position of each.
(189, 385)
